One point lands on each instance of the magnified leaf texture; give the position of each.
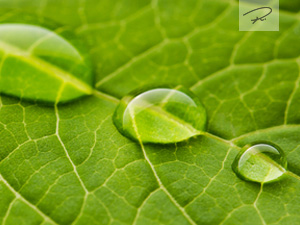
(68, 163)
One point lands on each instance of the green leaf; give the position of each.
(68, 164)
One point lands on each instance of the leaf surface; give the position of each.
(68, 164)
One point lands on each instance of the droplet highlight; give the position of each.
(39, 64)
(160, 115)
(262, 163)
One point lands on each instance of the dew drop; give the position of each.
(260, 162)
(160, 115)
(39, 64)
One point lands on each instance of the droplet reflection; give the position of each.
(263, 162)
(160, 115)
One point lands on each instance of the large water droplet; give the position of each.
(39, 64)
(160, 115)
(264, 162)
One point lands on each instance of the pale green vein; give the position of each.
(18, 196)
(186, 61)
(107, 97)
(282, 37)
(82, 208)
(266, 130)
(212, 136)
(161, 185)
(114, 173)
(229, 214)
(223, 71)
(160, 45)
(24, 123)
(66, 151)
(14, 150)
(8, 210)
(36, 172)
(47, 191)
(105, 207)
(46, 67)
(244, 103)
(154, 4)
(185, 214)
(238, 45)
(95, 141)
(255, 205)
(210, 181)
(142, 205)
(130, 62)
(2, 62)
(289, 102)
(212, 76)
(40, 41)
(100, 25)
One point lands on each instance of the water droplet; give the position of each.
(160, 115)
(40, 64)
(263, 162)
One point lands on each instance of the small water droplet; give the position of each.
(260, 162)
(160, 115)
